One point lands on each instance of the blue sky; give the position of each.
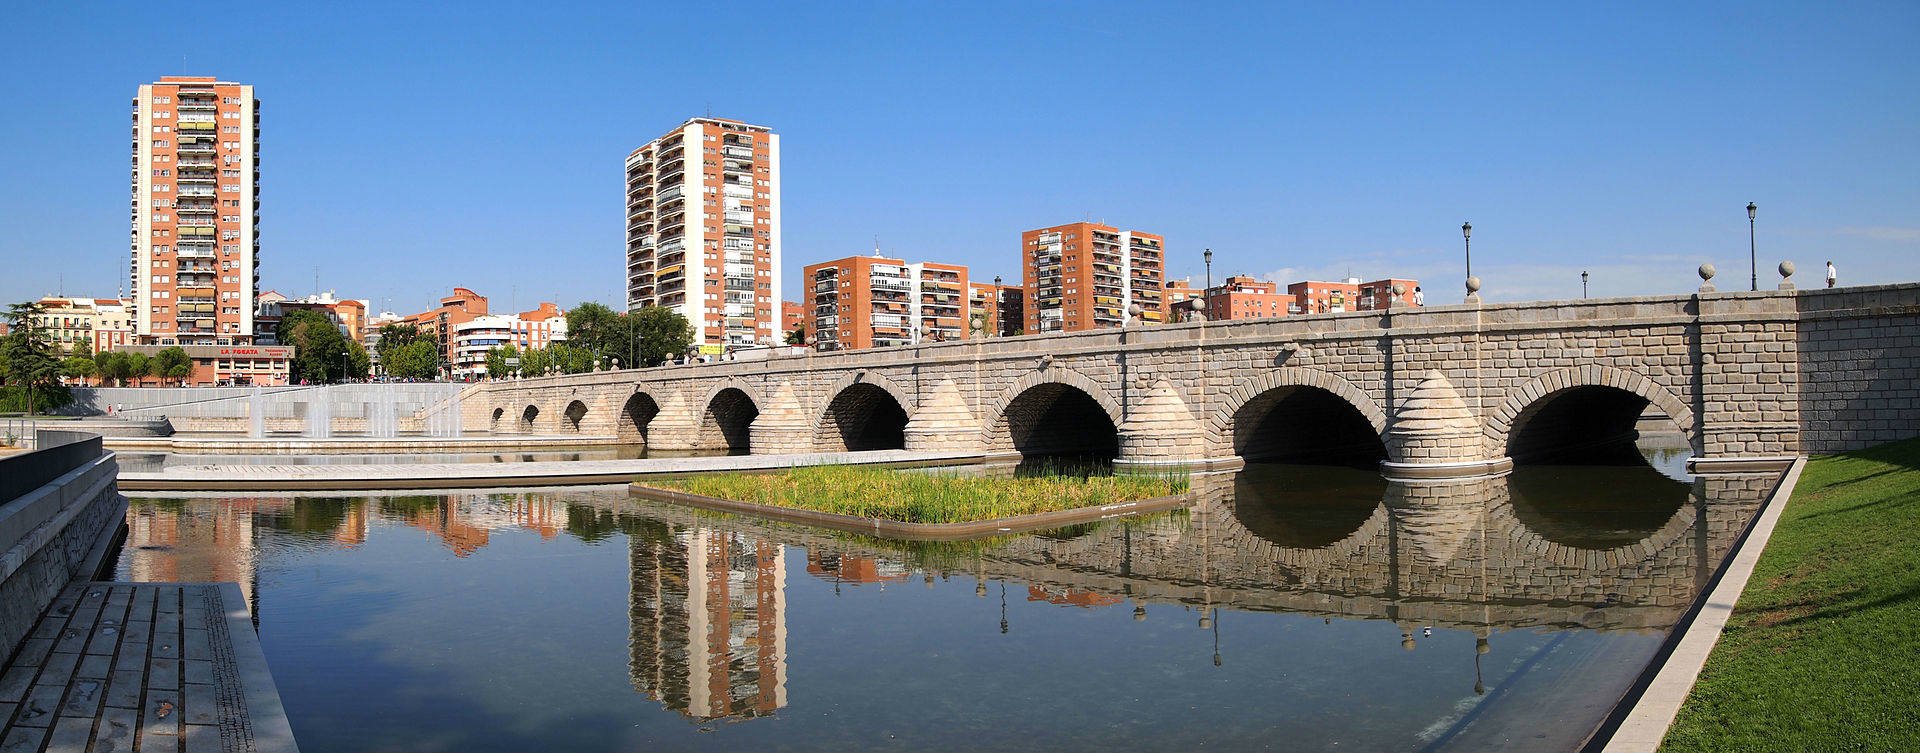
(410, 148)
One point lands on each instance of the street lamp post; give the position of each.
(1753, 257)
(1583, 284)
(1206, 294)
(1466, 234)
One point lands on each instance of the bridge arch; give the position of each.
(528, 416)
(1055, 412)
(726, 417)
(1580, 415)
(864, 411)
(636, 414)
(499, 412)
(571, 417)
(1255, 415)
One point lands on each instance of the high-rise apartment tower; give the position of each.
(196, 211)
(1085, 275)
(703, 230)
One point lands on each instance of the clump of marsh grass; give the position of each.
(931, 497)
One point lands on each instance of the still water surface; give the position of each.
(1292, 608)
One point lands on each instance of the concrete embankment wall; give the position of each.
(1859, 367)
(60, 508)
(226, 409)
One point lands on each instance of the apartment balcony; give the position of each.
(194, 191)
(738, 231)
(195, 209)
(739, 152)
(825, 300)
(743, 218)
(826, 310)
(198, 105)
(826, 287)
(827, 273)
(187, 147)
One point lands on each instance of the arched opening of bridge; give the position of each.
(570, 418)
(862, 417)
(638, 412)
(1305, 508)
(1595, 508)
(527, 417)
(728, 423)
(1585, 425)
(498, 413)
(1059, 427)
(1305, 426)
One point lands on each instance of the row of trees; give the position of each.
(649, 336)
(117, 366)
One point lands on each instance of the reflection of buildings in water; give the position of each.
(465, 522)
(167, 541)
(1071, 597)
(708, 612)
(855, 569)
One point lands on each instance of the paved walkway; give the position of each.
(461, 475)
(171, 667)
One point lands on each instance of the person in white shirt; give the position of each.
(1833, 275)
(1419, 296)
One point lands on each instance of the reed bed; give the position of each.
(927, 497)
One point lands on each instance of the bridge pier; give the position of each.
(1161, 431)
(1435, 435)
(942, 422)
(783, 427)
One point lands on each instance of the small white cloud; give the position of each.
(1883, 233)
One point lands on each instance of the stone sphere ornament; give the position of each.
(1707, 272)
(1473, 285)
(1786, 275)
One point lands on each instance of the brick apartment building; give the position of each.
(1085, 275)
(703, 230)
(196, 202)
(876, 301)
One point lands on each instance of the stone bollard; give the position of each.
(1706, 279)
(1786, 275)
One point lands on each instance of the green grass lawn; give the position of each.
(924, 497)
(1823, 649)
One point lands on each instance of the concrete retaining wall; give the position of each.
(56, 533)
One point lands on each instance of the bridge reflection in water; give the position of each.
(1596, 548)
(1546, 550)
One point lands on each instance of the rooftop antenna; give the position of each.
(876, 245)
(316, 281)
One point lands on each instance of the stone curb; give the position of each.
(893, 529)
(1641, 721)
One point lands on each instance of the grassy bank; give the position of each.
(1823, 649)
(924, 497)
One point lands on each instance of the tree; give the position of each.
(497, 366)
(139, 365)
(535, 361)
(320, 351)
(599, 330)
(359, 363)
(393, 337)
(570, 359)
(661, 332)
(798, 336)
(31, 365)
(172, 363)
(111, 364)
(77, 367)
(415, 360)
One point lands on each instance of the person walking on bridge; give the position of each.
(1833, 275)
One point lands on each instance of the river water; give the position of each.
(1291, 609)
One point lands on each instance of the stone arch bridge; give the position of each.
(1433, 391)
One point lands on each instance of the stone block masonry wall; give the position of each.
(1859, 355)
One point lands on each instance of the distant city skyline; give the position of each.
(410, 151)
